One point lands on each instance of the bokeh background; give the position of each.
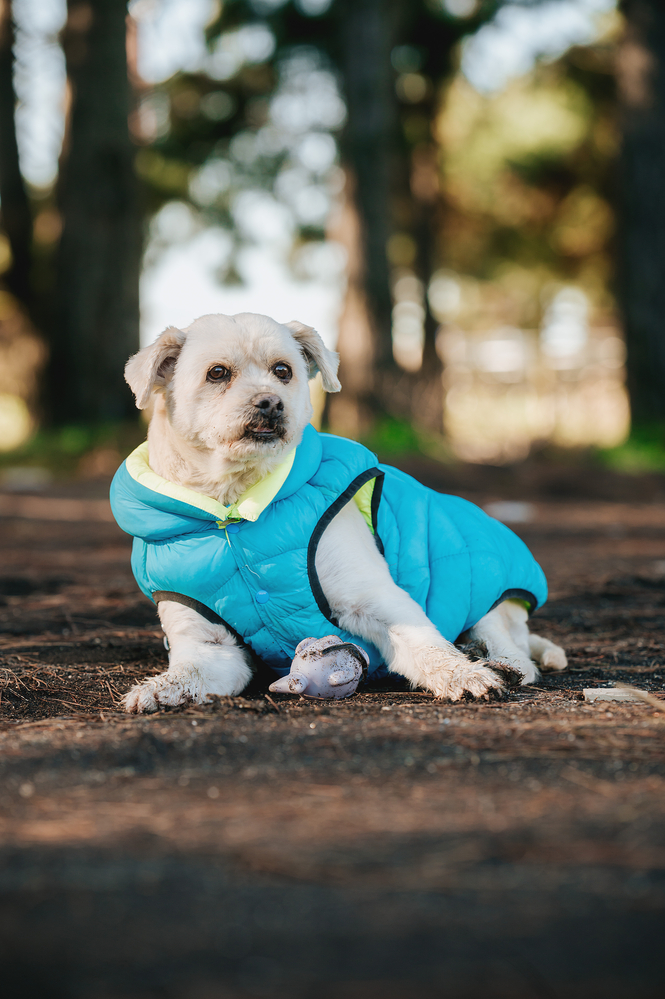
(463, 196)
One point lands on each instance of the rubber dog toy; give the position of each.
(324, 667)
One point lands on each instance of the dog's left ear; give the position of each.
(317, 354)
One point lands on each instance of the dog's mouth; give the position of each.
(266, 430)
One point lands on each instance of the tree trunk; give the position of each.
(368, 146)
(16, 215)
(641, 191)
(97, 315)
(351, 412)
(427, 383)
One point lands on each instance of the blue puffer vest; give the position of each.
(253, 564)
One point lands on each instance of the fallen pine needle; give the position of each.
(400, 693)
(71, 704)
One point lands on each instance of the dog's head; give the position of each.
(236, 384)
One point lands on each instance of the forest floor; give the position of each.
(385, 847)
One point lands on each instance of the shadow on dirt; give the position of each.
(84, 924)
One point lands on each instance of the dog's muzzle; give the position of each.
(267, 418)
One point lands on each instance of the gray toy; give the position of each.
(324, 667)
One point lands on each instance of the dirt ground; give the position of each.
(387, 847)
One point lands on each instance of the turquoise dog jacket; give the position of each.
(254, 563)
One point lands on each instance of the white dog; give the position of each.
(231, 402)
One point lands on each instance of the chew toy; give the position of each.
(324, 668)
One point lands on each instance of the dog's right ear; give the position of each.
(153, 366)
(316, 354)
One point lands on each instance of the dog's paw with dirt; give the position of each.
(168, 690)
(467, 681)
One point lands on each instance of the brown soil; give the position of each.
(390, 846)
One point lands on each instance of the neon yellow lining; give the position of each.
(254, 500)
(363, 500)
(524, 603)
(250, 506)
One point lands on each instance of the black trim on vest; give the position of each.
(376, 499)
(332, 511)
(516, 594)
(208, 614)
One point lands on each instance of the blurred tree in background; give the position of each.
(387, 61)
(641, 195)
(457, 209)
(96, 320)
(16, 212)
(22, 353)
(83, 292)
(527, 247)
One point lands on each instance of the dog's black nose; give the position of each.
(268, 405)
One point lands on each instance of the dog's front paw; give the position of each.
(158, 691)
(184, 685)
(468, 681)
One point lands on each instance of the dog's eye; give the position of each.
(283, 372)
(218, 373)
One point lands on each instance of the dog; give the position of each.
(216, 529)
